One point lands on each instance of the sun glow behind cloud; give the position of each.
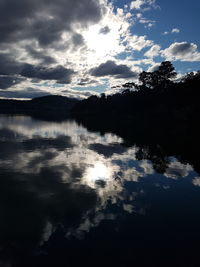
(98, 172)
(106, 45)
(101, 46)
(54, 52)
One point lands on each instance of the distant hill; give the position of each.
(46, 107)
(57, 100)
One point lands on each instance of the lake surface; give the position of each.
(70, 197)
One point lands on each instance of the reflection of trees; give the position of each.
(156, 155)
(48, 192)
(156, 110)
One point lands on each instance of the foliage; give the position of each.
(160, 77)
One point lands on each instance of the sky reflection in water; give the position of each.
(60, 175)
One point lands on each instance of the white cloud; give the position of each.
(147, 22)
(177, 170)
(165, 33)
(196, 181)
(150, 25)
(175, 30)
(138, 4)
(146, 166)
(139, 15)
(154, 67)
(78, 49)
(154, 51)
(137, 43)
(183, 51)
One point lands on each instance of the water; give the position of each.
(70, 197)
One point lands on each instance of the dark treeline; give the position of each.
(156, 112)
(50, 107)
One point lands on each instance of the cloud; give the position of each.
(154, 51)
(59, 73)
(177, 170)
(107, 150)
(87, 81)
(138, 4)
(165, 33)
(8, 81)
(138, 43)
(183, 51)
(154, 67)
(45, 21)
(196, 181)
(40, 56)
(104, 30)
(9, 66)
(64, 42)
(148, 23)
(36, 35)
(174, 30)
(110, 68)
(52, 41)
(77, 40)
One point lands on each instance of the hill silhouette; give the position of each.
(51, 107)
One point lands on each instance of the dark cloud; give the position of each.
(77, 40)
(108, 150)
(86, 81)
(59, 73)
(104, 30)
(110, 68)
(40, 55)
(60, 143)
(10, 149)
(8, 81)
(45, 21)
(8, 65)
(183, 51)
(33, 30)
(182, 48)
(8, 135)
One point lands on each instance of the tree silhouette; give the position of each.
(165, 72)
(191, 77)
(158, 78)
(148, 80)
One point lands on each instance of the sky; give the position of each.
(78, 48)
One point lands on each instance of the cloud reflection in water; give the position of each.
(66, 175)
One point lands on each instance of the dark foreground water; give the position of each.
(70, 197)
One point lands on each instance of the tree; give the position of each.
(166, 70)
(158, 78)
(148, 80)
(165, 73)
(191, 77)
